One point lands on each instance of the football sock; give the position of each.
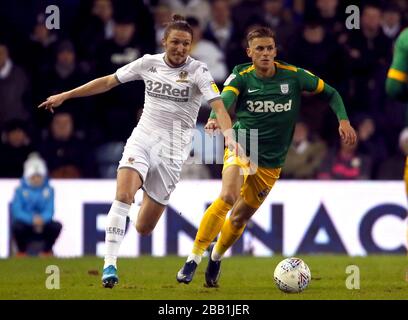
(115, 231)
(229, 234)
(210, 226)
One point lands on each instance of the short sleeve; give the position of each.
(130, 72)
(310, 82)
(206, 84)
(233, 82)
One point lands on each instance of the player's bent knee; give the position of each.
(229, 197)
(125, 197)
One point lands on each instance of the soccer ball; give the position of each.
(292, 275)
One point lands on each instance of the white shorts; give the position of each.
(159, 175)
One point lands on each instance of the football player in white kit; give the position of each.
(159, 144)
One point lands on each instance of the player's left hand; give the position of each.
(347, 132)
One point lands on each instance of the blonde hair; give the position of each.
(260, 32)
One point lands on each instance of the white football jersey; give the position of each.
(172, 99)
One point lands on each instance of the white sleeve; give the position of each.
(131, 71)
(206, 84)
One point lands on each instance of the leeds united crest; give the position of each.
(182, 76)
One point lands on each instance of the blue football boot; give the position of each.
(110, 277)
(213, 271)
(186, 274)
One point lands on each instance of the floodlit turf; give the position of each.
(381, 277)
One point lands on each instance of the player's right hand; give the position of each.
(347, 133)
(212, 127)
(53, 102)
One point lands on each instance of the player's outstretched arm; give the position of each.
(212, 126)
(346, 131)
(311, 83)
(224, 120)
(225, 124)
(91, 88)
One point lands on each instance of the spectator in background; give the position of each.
(279, 20)
(41, 47)
(103, 10)
(125, 47)
(15, 146)
(65, 73)
(391, 22)
(345, 163)
(98, 27)
(370, 53)
(370, 143)
(208, 53)
(328, 14)
(162, 15)
(247, 12)
(305, 154)
(320, 54)
(14, 89)
(199, 9)
(142, 16)
(297, 8)
(223, 30)
(32, 209)
(63, 151)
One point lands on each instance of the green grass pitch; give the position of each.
(242, 278)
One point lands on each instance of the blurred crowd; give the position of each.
(85, 137)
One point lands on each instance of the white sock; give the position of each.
(194, 257)
(115, 231)
(215, 256)
(133, 213)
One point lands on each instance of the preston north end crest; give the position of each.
(284, 88)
